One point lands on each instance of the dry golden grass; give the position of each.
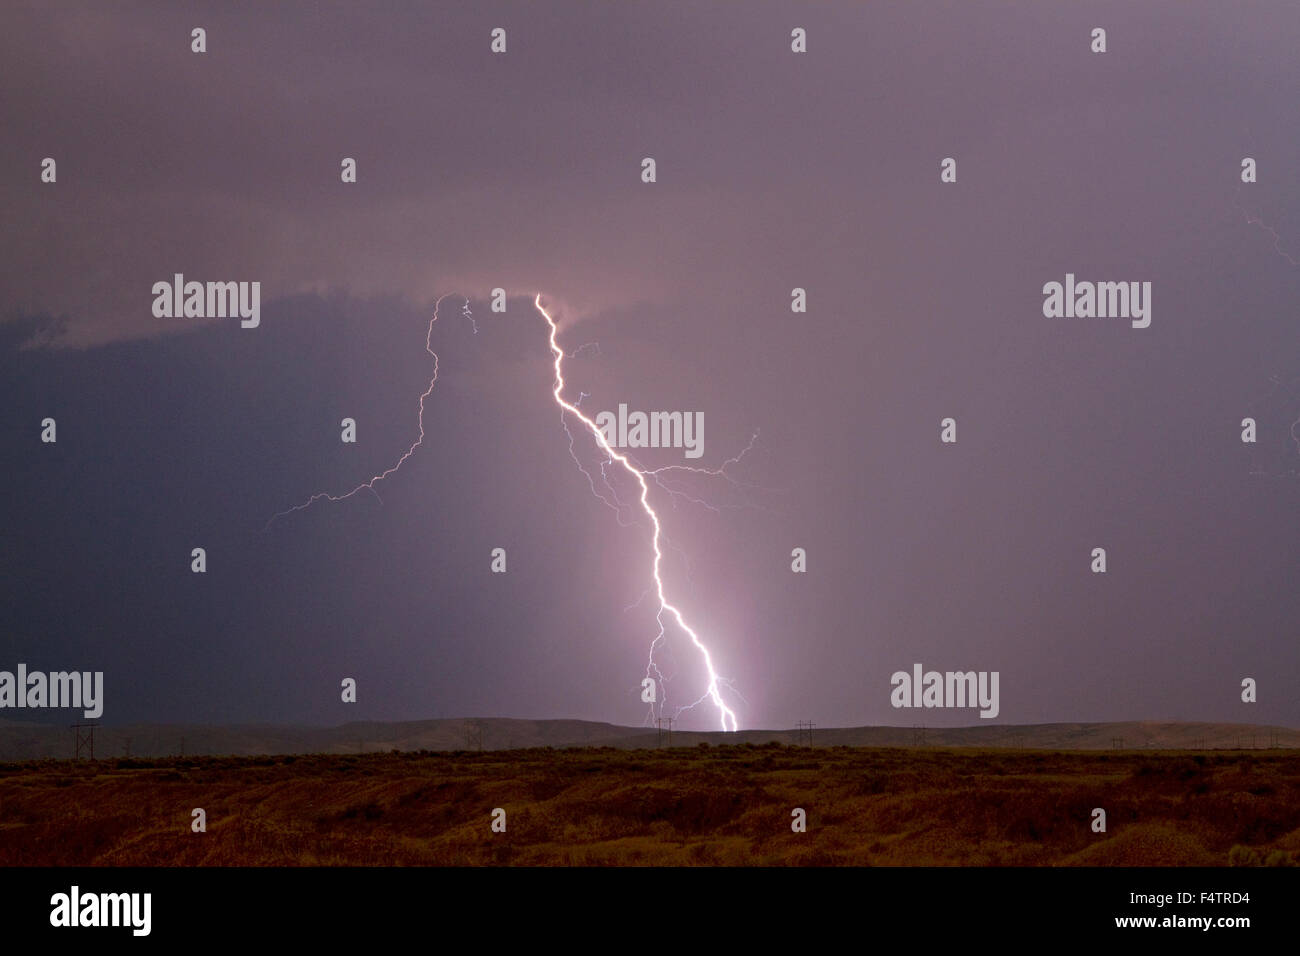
(697, 806)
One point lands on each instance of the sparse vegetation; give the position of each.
(719, 805)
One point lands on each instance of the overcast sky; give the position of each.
(775, 170)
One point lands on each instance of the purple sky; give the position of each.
(775, 170)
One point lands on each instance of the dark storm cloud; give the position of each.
(775, 170)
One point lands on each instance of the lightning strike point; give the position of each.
(712, 692)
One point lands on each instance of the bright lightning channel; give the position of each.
(712, 692)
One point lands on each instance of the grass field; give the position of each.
(686, 806)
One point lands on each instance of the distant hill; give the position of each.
(28, 741)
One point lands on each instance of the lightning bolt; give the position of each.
(714, 684)
(1254, 220)
(643, 478)
(1293, 431)
(369, 485)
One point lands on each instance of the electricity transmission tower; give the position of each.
(86, 740)
(665, 725)
(474, 737)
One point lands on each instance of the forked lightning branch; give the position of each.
(610, 432)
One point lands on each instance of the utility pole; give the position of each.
(806, 728)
